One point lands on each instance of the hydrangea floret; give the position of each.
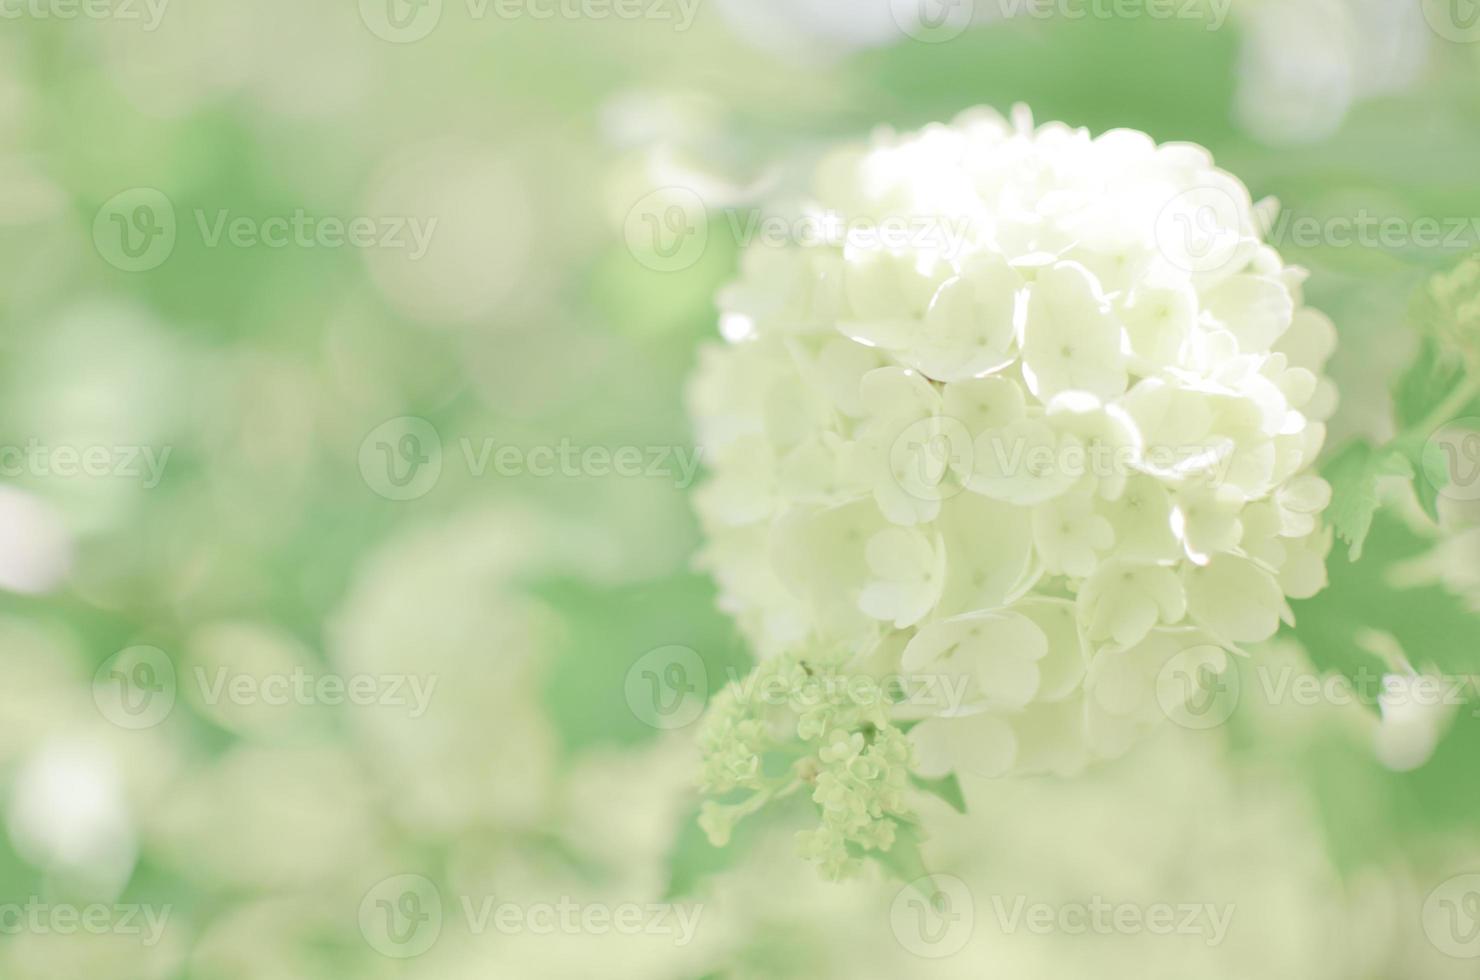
(798, 725)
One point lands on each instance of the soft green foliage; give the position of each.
(1354, 475)
(947, 788)
(1450, 311)
(1429, 622)
(1441, 384)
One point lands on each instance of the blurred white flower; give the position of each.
(437, 604)
(94, 412)
(35, 547)
(812, 30)
(1416, 711)
(68, 812)
(296, 817)
(1072, 387)
(1175, 824)
(478, 227)
(1304, 65)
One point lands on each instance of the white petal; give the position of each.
(1071, 340)
(1234, 598)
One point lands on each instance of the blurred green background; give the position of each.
(287, 409)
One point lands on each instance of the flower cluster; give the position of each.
(1060, 449)
(791, 726)
(1450, 308)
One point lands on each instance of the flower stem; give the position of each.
(1446, 410)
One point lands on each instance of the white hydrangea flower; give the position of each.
(1061, 435)
(1416, 711)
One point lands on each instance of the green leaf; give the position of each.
(693, 859)
(904, 860)
(947, 788)
(1433, 626)
(1353, 474)
(1433, 390)
(1427, 485)
(1425, 384)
